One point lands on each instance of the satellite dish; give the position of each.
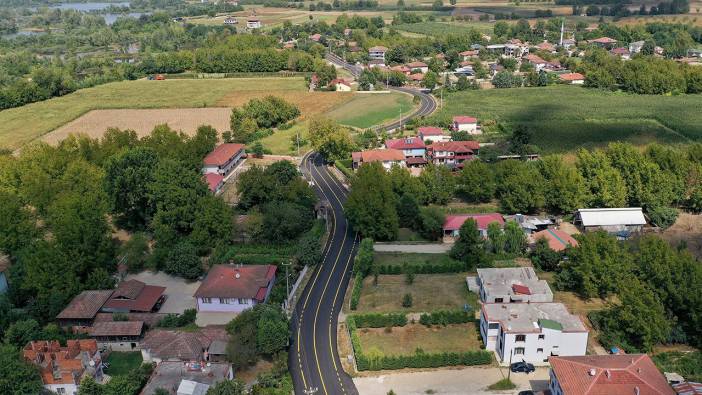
(91, 363)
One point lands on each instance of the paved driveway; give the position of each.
(179, 293)
(473, 381)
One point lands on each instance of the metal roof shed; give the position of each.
(630, 216)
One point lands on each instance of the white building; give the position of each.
(466, 124)
(433, 134)
(511, 285)
(618, 221)
(377, 53)
(253, 23)
(235, 288)
(189, 387)
(387, 157)
(531, 332)
(230, 20)
(223, 159)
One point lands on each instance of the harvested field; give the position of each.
(310, 103)
(95, 122)
(688, 229)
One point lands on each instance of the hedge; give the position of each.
(445, 317)
(424, 268)
(418, 360)
(342, 166)
(376, 320)
(356, 292)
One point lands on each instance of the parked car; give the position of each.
(527, 392)
(522, 367)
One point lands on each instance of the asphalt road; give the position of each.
(314, 359)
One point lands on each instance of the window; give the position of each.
(494, 325)
(498, 300)
(224, 301)
(206, 300)
(519, 351)
(542, 337)
(539, 350)
(243, 301)
(520, 338)
(60, 390)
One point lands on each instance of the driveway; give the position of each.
(179, 293)
(429, 248)
(473, 380)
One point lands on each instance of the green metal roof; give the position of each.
(550, 324)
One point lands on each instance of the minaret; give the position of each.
(562, 28)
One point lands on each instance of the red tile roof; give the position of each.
(232, 281)
(222, 154)
(416, 65)
(416, 76)
(378, 48)
(609, 374)
(535, 59)
(468, 53)
(213, 180)
(117, 328)
(688, 388)
(571, 76)
(66, 362)
(85, 305)
(455, 146)
(415, 161)
(339, 81)
(405, 143)
(134, 295)
(378, 155)
(463, 119)
(454, 222)
(604, 40)
(620, 51)
(557, 239)
(430, 131)
(173, 344)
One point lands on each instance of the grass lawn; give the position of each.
(407, 234)
(24, 124)
(438, 29)
(122, 363)
(429, 292)
(368, 109)
(407, 258)
(564, 118)
(405, 340)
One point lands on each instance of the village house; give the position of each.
(432, 134)
(230, 20)
(340, 85)
(546, 47)
(63, 368)
(466, 124)
(421, 66)
(558, 240)
(603, 42)
(572, 78)
(510, 285)
(189, 378)
(235, 288)
(568, 43)
(509, 50)
(377, 53)
(81, 311)
(453, 153)
(411, 147)
(387, 157)
(160, 345)
(133, 296)
(402, 69)
(117, 335)
(622, 52)
(223, 159)
(453, 223)
(530, 223)
(541, 64)
(416, 78)
(531, 332)
(636, 46)
(253, 23)
(606, 374)
(214, 181)
(315, 37)
(621, 222)
(467, 55)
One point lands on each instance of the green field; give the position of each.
(366, 110)
(564, 118)
(443, 28)
(21, 125)
(121, 363)
(407, 339)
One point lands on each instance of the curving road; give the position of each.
(314, 359)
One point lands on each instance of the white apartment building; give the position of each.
(511, 285)
(531, 332)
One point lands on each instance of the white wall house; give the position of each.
(253, 24)
(235, 288)
(377, 52)
(531, 332)
(387, 157)
(433, 134)
(223, 159)
(466, 124)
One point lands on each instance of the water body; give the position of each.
(110, 18)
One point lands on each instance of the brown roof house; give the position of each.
(190, 378)
(223, 159)
(83, 308)
(173, 345)
(62, 368)
(133, 296)
(235, 288)
(117, 335)
(387, 157)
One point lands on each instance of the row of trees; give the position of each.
(265, 113)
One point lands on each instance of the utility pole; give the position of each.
(287, 284)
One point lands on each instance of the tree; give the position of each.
(605, 185)
(17, 377)
(227, 387)
(367, 80)
(496, 237)
(543, 257)
(430, 80)
(309, 250)
(370, 206)
(469, 247)
(272, 331)
(330, 139)
(476, 182)
(565, 188)
(462, 84)
(408, 211)
(88, 386)
(19, 333)
(17, 224)
(407, 300)
(515, 239)
(520, 187)
(214, 223)
(500, 29)
(439, 182)
(505, 79)
(182, 260)
(283, 221)
(431, 221)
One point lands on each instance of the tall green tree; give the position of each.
(17, 377)
(408, 211)
(515, 239)
(477, 182)
(565, 187)
(370, 206)
(330, 139)
(227, 387)
(469, 247)
(605, 185)
(17, 224)
(439, 183)
(520, 187)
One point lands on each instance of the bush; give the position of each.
(663, 217)
(183, 261)
(504, 384)
(445, 317)
(356, 291)
(376, 320)
(407, 300)
(178, 320)
(409, 278)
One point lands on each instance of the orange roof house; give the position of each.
(64, 367)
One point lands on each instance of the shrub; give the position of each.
(120, 317)
(356, 291)
(407, 300)
(663, 217)
(445, 317)
(178, 320)
(377, 320)
(409, 278)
